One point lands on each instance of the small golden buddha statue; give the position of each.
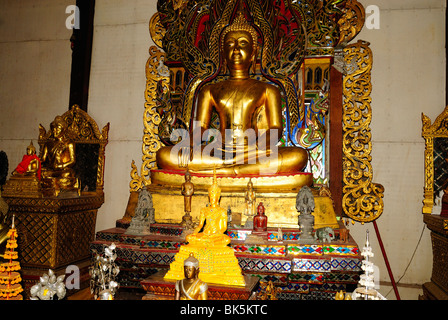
(191, 288)
(210, 246)
(30, 164)
(58, 159)
(250, 199)
(250, 114)
(214, 221)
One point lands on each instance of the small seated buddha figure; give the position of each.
(30, 164)
(191, 288)
(260, 220)
(218, 262)
(250, 117)
(58, 159)
(214, 221)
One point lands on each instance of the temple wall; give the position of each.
(35, 66)
(408, 78)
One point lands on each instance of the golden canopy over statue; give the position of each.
(250, 117)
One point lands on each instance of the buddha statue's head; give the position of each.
(191, 267)
(31, 149)
(214, 192)
(58, 126)
(239, 44)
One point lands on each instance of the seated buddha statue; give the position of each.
(209, 245)
(250, 117)
(213, 219)
(58, 158)
(30, 164)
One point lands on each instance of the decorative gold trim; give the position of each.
(151, 120)
(351, 23)
(156, 30)
(439, 129)
(362, 199)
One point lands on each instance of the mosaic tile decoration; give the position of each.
(305, 249)
(341, 250)
(318, 295)
(260, 249)
(345, 264)
(241, 234)
(238, 234)
(289, 296)
(261, 264)
(305, 265)
(275, 278)
(146, 256)
(162, 244)
(287, 236)
(315, 277)
(307, 277)
(296, 287)
(108, 236)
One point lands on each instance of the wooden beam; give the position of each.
(81, 44)
(335, 131)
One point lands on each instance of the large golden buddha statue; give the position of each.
(250, 117)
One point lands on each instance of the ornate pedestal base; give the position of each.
(26, 186)
(217, 265)
(54, 233)
(159, 288)
(437, 289)
(301, 270)
(280, 183)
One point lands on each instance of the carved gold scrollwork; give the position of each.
(351, 23)
(362, 199)
(151, 120)
(156, 30)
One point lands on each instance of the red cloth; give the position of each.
(22, 167)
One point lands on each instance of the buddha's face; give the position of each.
(30, 151)
(238, 49)
(190, 272)
(57, 129)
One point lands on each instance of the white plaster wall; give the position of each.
(117, 85)
(35, 66)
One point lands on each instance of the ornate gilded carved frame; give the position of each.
(318, 30)
(436, 154)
